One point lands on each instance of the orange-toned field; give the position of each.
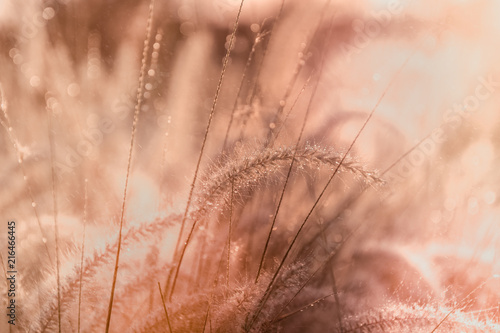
(250, 166)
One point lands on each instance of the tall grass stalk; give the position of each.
(254, 90)
(140, 91)
(257, 40)
(198, 163)
(271, 136)
(85, 208)
(304, 122)
(165, 308)
(275, 215)
(54, 203)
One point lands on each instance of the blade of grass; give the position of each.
(300, 64)
(306, 116)
(266, 293)
(330, 257)
(229, 233)
(54, 203)
(331, 271)
(257, 40)
(282, 125)
(264, 53)
(195, 177)
(165, 308)
(212, 292)
(137, 110)
(85, 206)
(207, 130)
(275, 216)
(302, 308)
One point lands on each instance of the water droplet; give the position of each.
(44, 240)
(13, 52)
(272, 125)
(18, 59)
(48, 13)
(73, 89)
(33, 204)
(187, 28)
(255, 27)
(35, 81)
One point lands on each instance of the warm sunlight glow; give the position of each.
(250, 166)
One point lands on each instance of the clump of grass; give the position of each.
(260, 221)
